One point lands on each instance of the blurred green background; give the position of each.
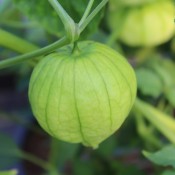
(141, 30)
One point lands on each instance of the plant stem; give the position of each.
(65, 18)
(67, 21)
(7, 172)
(15, 43)
(63, 41)
(92, 15)
(86, 13)
(31, 158)
(18, 59)
(37, 161)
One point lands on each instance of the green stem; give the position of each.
(86, 13)
(47, 166)
(63, 41)
(92, 15)
(7, 172)
(15, 43)
(54, 153)
(67, 21)
(18, 59)
(163, 122)
(35, 160)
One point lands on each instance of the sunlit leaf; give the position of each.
(168, 172)
(163, 157)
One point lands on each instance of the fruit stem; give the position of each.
(69, 24)
(86, 13)
(9, 40)
(92, 15)
(37, 161)
(63, 41)
(75, 49)
(18, 59)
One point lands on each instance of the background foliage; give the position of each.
(26, 148)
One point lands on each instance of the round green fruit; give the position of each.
(148, 25)
(82, 96)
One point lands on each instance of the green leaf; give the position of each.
(9, 152)
(168, 172)
(169, 65)
(169, 91)
(61, 152)
(147, 132)
(107, 147)
(83, 167)
(4, 5)
(170, 95)
(12, 172)
(163, 157)
(165, 69)
(164, 75)
(148, 82)
(119, 168)
(42, 12)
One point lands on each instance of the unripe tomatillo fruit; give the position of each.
(146, 25)
(84, 95)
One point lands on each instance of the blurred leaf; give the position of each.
(61, 152)
(37, 10)
(163, 122)
(107, 147)
(148, 82)
(163, 157)
(4, 5)
(165, 69)
(42, 12)
(147, 132)
(12, 172)
(122, 169)
(169, 65)
(159, 72)
(168, 172)
(164, 75)
(7, 145)
(9, 151)
(169, 91)
(83, 167)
